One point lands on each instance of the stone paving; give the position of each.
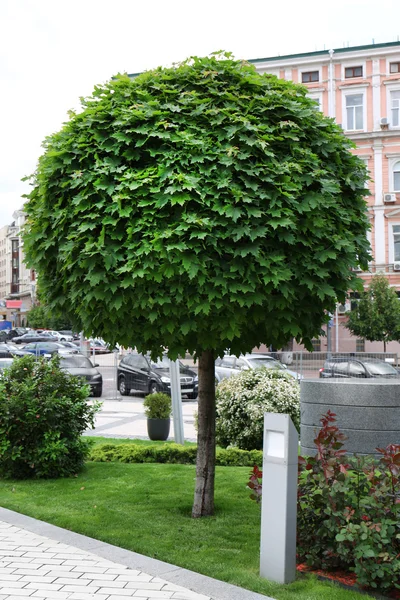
(37, 567)
(45, 562)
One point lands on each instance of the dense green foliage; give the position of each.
(348, 513)
(157, 406)
(206, 205)
(376, 317)
(43, 413)
(171, 453)
(243, 399)
(42, 316)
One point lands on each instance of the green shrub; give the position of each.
(43, 413)
(157, 406)
(243, 399)
(348, 510)
(170, 453)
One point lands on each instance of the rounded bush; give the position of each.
(243, 399)
(43, 413)
(157, 406)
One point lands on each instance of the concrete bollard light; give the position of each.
(279, 499)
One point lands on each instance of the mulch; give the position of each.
(348, 581)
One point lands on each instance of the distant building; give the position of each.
(360, 88)
(17, 282)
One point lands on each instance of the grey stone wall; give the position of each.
(368, 412)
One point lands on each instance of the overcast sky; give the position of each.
(54, 51)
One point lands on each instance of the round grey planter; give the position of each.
(158, 429)
(368, 412)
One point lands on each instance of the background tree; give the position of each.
(196, 208)
(376, 316)
(42, 316)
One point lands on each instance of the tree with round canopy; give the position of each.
(197, 208)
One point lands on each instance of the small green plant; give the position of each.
(157, 406)
(43, 413)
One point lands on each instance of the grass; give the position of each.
(146, 508)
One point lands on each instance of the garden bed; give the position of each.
(347, 581)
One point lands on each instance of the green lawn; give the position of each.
(146, 508)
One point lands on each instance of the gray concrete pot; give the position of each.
(368, 412)
(158, 429)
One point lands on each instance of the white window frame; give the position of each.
(352, 64)
(392, 258)
(392, 59)
(309, 70)
(394, 170)
(395, 87)
(354, 91)
(392, 162)
(317, 97)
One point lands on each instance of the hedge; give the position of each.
(171, 453)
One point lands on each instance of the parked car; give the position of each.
(61, 337)
(98, 346)
(7, 350)
(80, 366)
(34, 336)
(5, 363)
(349, 366)
(138, 372)
(232, 365)
(68, 332)
(70, 345)
(45, 349)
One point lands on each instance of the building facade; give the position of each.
(17, 282)
(360, 88)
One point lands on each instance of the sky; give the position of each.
(52, 52)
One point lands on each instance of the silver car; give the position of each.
(232, 365)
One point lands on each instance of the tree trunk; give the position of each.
(203, 505)
(384, 346)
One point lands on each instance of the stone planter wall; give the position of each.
(368, 412)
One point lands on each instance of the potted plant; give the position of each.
(157, 408)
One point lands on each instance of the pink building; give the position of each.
(360, 88)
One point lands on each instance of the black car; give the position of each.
(138, 372)
(349, 366)
(8, 334)
(34, 336)
(80, 366)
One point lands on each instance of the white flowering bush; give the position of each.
(243, 399)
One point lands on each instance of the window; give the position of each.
(354, 111)
(351, 72)
(360, 345)
(395, 67)
(316, 344)
(241, 364)
(310, 76)
(395, 107)
(356, 369)
(396, 242)
(396, 177)
(317, 99)
(228, 362)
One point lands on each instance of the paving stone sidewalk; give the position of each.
(62, 565)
